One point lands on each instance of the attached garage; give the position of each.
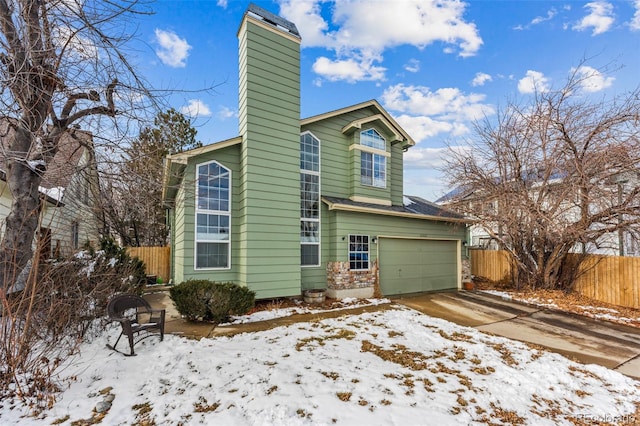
(417, 265)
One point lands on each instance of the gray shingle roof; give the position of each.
(411, 205)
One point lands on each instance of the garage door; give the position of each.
(413, 266)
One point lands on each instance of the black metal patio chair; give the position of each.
(136, 317)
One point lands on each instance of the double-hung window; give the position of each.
(358, 252)
(373, 167)
(309, 200)
(213, 216)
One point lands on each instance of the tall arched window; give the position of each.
(213, 216)
(309, 200)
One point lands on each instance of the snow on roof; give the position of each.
(55, 193)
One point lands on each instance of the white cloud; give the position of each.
(356, 36)
(551, 13)
(173, 50)
(414, 65)
(446, 103)
(592, 80)
(225, 113)
(600, 18)
(634, 24)
(430, 158)
(445, 113)
(480, 79)
(422, 127)
(196, 108)
(78, 46)
(222, 3)
(310, 22)
(350, 70)
(540, 19)
(534, 81)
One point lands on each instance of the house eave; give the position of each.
(46, 197)
(357, 125)
(175, 164)
(183, 157)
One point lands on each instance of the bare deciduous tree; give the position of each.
(61, 66)
(132, 202)
(556, 176)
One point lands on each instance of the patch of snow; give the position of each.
(34, 164)
(502, 294)
(346, 303)
(387, 367)
(56, 193)
(597, 308)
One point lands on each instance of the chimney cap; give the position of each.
(273, 19)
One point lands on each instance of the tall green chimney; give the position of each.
(269, 109)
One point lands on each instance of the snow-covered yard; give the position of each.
(389, 367)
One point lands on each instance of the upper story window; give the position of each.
(309, 200)
(373, 139)
(213, 216)
(373, 167)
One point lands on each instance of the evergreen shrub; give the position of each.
(204, 300)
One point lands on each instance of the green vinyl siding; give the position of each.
(184, 222)
(339, 224)
(177, 237)
(394, 170)
(341, 165)
(269, 179)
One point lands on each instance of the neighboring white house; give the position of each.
(68, 218)
(622, 243)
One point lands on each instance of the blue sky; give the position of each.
(435, 66)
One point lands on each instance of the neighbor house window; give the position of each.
(309, 200)
(373, 167)
(75, 235)
(358, 252)
(213, 216)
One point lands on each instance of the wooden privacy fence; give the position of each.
(493, 265)
(610, 279)
(157, 260)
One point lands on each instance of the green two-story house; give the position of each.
(317, 203)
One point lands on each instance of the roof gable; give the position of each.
(64, 165)
(382, 116)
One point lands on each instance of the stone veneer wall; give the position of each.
(466, 270)
(340, 277)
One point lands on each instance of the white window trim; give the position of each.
(218, 212)
(373, 179)
(368, 251)
(369, 149)
(382, 138)
(374, 152)
(318, 220)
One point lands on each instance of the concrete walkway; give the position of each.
(586, 340)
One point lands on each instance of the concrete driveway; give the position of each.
(589, 341)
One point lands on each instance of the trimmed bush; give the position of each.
(204, 300)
